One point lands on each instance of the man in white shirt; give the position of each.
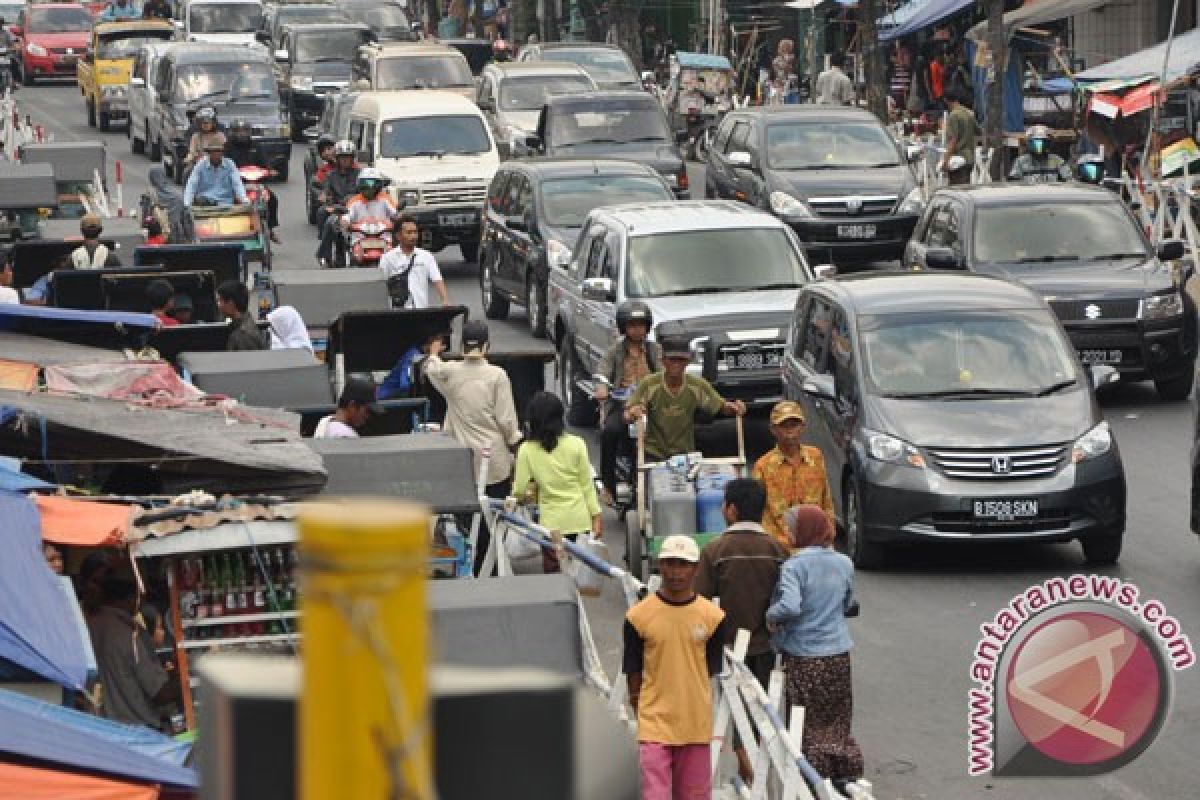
(7, 293)
(834, 87)
(355, 407)
(419, 265)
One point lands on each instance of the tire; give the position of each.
(535, 306)
(634, 545)
(26, 76)
(310, 206)
(177, 170)
(1176, 389)
(865, 554)
(347, 257)
(281, 175)
(709, 192)
(104, 121)
(494, 306)
(155, 148)
(91, 113)
(1102, 550)
(470, 250)
(136, 146)
(582, 411)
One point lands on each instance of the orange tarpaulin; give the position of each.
(83, 522)
(18, 375)
(20, 782)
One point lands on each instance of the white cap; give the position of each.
(681, 547)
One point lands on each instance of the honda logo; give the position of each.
(1001, 465)
(854, 204)
(1091, 311)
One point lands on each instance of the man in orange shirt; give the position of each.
(793, 473)
(937, 79)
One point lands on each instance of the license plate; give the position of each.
(454, 220)
(1089, 357)
(373, 244)
(3, 59)
(752, 360)
(1004, 510)
(856, 231)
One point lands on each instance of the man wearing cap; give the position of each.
(793, 473)
(215, 180)
(355, 407)
(670, 398)
(674, 642)
(92, 254)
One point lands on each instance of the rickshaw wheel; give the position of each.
(634, 545)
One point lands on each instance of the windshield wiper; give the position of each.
(1045, 259)
(959, 394)
(1054, 388)
(256, 96)
(702, 290)
(880, 165)
(1115, 256)
(783, 285)
(640, 139)
(430, 153)
(208, 96)
(324, 59)
(594, 141)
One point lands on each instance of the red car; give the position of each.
(51, 37)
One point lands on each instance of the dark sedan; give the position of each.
(313, 62)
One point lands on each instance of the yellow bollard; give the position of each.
(364, 713)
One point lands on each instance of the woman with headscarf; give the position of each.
(807, 619)
(170, 199)
(288, 331)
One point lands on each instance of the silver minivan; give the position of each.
(511, 96)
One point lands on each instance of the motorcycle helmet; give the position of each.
(370, 181)
(344, 148)
(1090, 169)
(206, 114)
(633, 311)
(1038, 138)
(325, 141)
(240, 131)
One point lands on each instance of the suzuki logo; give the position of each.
(854, 204)
(1001, 465)
(1092, 311)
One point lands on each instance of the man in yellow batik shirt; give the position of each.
(793, 473)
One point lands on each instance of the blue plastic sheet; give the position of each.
(14, 316)
(38, 626)
(917, 15)
(63, 736)
(702, 61)
(11, 477)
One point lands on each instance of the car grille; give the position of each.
(453, 195)
(874, 205)
(62, 51)
(1001, 464)
(964, 522)
(1070, 310)
(736, 356)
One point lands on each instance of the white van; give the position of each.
(221, 21)
(439, 153)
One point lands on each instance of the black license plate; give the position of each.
(457, 220)
(753, 360)
(1099, 356)
(1004, 510)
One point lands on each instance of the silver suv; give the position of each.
(511, 96)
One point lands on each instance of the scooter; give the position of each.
(365, 243)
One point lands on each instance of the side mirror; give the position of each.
(137, 83)
(740, 158)
(942, 258)
(89, 56)
(914, 153)
(311, 134)
(533, 141)
(1170, 250)
(363, 157)
(262, 36)
(281, 55)
(485, 105)
(681, 137)
(1103, 375)
(517, 224)
(824, 271)
(600, 289)
(818, 386)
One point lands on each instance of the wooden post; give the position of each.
(181, 656)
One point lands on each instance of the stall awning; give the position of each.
(40, 783)
(1185, 58)
(1036, 13)
(66, 520)
(917, 15)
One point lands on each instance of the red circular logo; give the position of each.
(1085, 688)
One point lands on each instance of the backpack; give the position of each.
(397, 285)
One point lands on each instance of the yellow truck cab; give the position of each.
(103, 72)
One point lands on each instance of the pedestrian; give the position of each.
(791, 472)
(233, 300)
(7, 293)
(674, 642)
(287, 330)
(410, 270)
(958, 161)
(557, 465)
(935, 80)
(160, 294)
(834, 87)
(170, 199)
(741, 567)
(808, 622)
(93, 254)
(354, 409)
(3, 152)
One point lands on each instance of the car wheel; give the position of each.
(26, 76)
(136, 145)
(347, 256)
(310, 206)
(865, 554)
(104, 121)
(582, 411)
(494, 306)
(1102, 550)
(634, 545)
(281, 174)
(535, 305)
(709, 192)
(1176, 389)
(155, 148)
(91, 113)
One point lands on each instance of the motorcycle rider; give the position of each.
(371, 202)
(1038, 164)
(326, 160)
(207, 132)
(339, 185)
(239, 147)
(501, 51)
(631, 358)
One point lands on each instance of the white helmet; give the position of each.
(371, 174)
(343, 148)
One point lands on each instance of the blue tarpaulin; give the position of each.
(13, 480)
(38, 626)
(32, 729)
(1014, 95)
(12, 315)
(702, 61)
(917, 15)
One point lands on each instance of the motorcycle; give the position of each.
(364, 244)
(624, 497)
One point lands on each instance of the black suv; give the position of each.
(1083, 251)
(834, 174)
(311, 62)
(534, 212)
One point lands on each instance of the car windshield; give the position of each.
(608, 123)
(328, 45)
(64, 19)
(830, 145)
(965, 353)
(228, 81)
(529, 94)
(568, 201)
(387, 21)
(711, 261)
(125, 46)
(423, 72)
(1045, 233)
(226, 18)
(609, 66)
(433, 136)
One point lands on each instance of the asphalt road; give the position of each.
(920, 618)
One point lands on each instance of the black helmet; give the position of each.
(325, 140)
(240, 131)
(633, 311)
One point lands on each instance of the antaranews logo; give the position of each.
(1073, 677)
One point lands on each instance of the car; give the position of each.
(143, 121)
(611, 124)
(414, 65)
(313, 60)
(511, 96)
(50, 40)
(606, 63)
(833, 173)
(725, 274)
(952, 408)
(276, 18)
(103, 73)
(1082, 249)
(534, 213)
(221, 21)
(387, 21)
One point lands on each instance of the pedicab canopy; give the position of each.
(373, 341)
(226, 260)
(322, 295)
(72, 162)
(27, 186)
(291, 379)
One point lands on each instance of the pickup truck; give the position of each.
(103, 72)
(723, 273)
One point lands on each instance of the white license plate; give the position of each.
(455, 220)
(3, 59)
(752, 360)
(1004, 510)
(1089, 357)
(856, 231)
(373, 244)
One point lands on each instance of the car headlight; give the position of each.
(409, 197)
(1163, 306)
(557, 253)
(1092, 444)
(884, 447)
(914, 203)
(785, 205)
(35, 49)
(303, 83)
